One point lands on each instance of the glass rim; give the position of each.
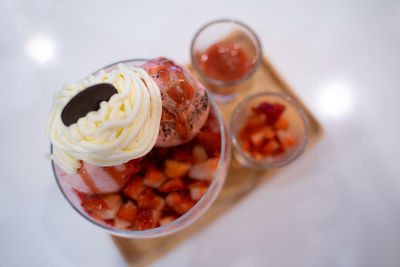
(265, 164)
(237, 81)
(147, 233)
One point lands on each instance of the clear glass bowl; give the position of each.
(217, 31)
(298, 127)
(186, 219)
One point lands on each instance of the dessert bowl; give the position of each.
(203, 201)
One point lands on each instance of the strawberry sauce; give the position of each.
(225, 61)
(87, 179)
(179, 90)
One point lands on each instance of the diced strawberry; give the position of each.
(128, 212)
(287, 140)
(257, 137)
(149, 200)
(167, 219)
(246, 146)
(172, 185)
(270, 147)
(204, 170)
(94, 203)
(175, 169)
(282, 124)
(186, 204)
(103, 206)
(146, 219)
(199, 154)
(264, 108)
(253, 122)
(197, 192)
(173, 199)
(268, 132)
(134, 187)
(181, 203)
(154, 178)
(273, 111)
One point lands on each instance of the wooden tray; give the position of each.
(140, 252)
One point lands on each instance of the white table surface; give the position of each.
(337, 205)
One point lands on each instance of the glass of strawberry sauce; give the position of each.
(225, 54)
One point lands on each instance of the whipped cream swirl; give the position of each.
(124, 128)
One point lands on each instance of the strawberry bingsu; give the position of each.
(138, 147)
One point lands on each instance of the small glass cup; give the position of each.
(186, 219)
(212, 35)
(298, 128)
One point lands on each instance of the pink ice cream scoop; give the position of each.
(184, 100)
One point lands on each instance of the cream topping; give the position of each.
(124, 128)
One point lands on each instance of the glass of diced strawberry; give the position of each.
(268, 130)
(162, 192)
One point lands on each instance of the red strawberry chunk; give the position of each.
(282, 124)
(199, 154)
(204, 170)
(264, 108)
(149, 200)
(173, 199)
(287, 140)
(128, 212)
(273, 111)
(134, 188)
(172, 185)
(175, 169)
(102, 206)
(154, 178)
(270, 147)
(186, 204)
(181, 203)
(268, 132)
(257, 137)
(94, 203)
(146, 219)
(196, 193)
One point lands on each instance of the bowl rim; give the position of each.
(288, 100)
(216, 82)
(149, 233)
